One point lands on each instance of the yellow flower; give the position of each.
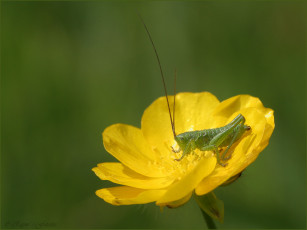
(148, 171)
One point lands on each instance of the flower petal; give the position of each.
(120, 174)
(127, 144)
(243, 153)
(193, 111)
(257, 148)
(124, 195)
(237, 103)
(269, 115)
(178, 203)
(188, 183)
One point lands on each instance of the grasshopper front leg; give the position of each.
(188, 148)
(176, 150)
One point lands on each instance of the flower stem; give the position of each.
(210, 223)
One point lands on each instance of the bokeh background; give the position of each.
(70, 69)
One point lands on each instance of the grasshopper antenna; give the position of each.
(164, 85)
(175, 78)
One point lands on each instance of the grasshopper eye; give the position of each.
(248, 128)
(179, 138)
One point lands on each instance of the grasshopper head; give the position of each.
(182, 140)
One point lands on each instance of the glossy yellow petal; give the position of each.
(267, 132)
(258, 123)
(237, 103)
(156, 126)
(120, 174)
(178, 203)
(124, 195)
(242, 152)
(269, 115)
(193, 111)
(127, 144)
(188, 183)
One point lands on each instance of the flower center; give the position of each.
(189, 162)
(171, 167)
(179, 168)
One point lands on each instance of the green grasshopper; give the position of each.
(212, 139)
(207, 139)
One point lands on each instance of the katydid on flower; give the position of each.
(205, 140)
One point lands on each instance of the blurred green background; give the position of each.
(70, 69)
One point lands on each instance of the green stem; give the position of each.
(208, 219)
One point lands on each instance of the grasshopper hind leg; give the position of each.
(224, 155)
(218, 158)
(216, 151)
